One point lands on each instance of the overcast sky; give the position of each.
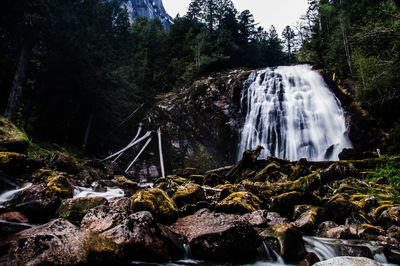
(266, 12)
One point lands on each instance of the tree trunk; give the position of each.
(346, 45)
(14, 98)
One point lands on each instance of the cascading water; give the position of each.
(291, 112)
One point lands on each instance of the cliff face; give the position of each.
(201, 122)
(148, 8)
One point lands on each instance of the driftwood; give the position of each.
(161, 155)
(134, 139)
(137, 156)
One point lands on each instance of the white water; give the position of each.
(291, 112)
(9, 195)
(83, 192)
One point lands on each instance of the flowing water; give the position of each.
(9, 195)
(83, 192)
(291, 112)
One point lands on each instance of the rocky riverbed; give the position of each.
(74, 211)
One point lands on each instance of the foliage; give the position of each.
(388, 168)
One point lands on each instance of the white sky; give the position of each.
(280, 13)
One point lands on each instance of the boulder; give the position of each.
(213, 180)
(188, 194)
(11, 138)
(74, 210)
(57, 243)
(354, 251)
(14, 217)
(8, 228)
(339, 232)
(369, 232)
(239, 203)
(59, 187)
(306, 218)
(141, 238)
(220, 237)
(265, 173)
(274, 218)
(257, 218)
(121, 204)
(286, 241)
(338, 208)
(324, 227)
(64, 163)
(157, 202)
(285, 202)
(390, 216)
(102, 218)
(348, 261)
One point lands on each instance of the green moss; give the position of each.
(388, 167)
(98, 250)
(264, 173)
(73, 210)
(157, 202)
(239, 203)
(58, 187)
(11, 138)
(188, 194)
(7, 158)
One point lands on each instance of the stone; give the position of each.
(265, 173)
(38, 211)
(12, 162)
(324, 227)
(310, 259)
(14, 217)
(219, 237)
(390, 216)
(59, 187)
(348, 261)
(121, 204)
(239, 203)
(188, 194)
(57, 243)
(274, 218)
(257, 218)
(286, 241)
(74, 210)
(339, 232)
(369, 232)
(338, 208)
(307, 218)
(285, 202)
(213, 180)
(141, 238)
(102, 218)
(157, 202)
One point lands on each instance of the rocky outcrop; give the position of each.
(349, 261)
(217, 236)
(57, 243)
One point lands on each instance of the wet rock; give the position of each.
(99, 187)
(285, 202)
(141, 238)
(390, 216)
(57, 243)
(337, 171)
(8, 228)
(14, 217)
(348, 261)
(59, 187)
(157, 202)
(102, 218)
(38, 211)
(354, 251)
(213, 180)
(170, 187)
(221, 237)
(310, 259)
(382, 180)
(290, 243)
(349, 154)
(74, 210)
(188, 194)
(306, 218)
(324, 227)
(64, 163)
(11, 138)
(126, 184)
(190, 209)
(239, 203)
(338, 208)
(274, 218)
(369, 232)
(339, 232)
(257, 218)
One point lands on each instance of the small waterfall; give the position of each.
(9, 195)
(83, 192)
(291, 112)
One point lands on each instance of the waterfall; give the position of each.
(291, 112)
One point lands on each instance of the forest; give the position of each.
(79, 68)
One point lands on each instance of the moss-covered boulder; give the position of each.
(285, 240)
(11, 138)
(198, 179)
(185, 172)
(298, 171)
(65, 163)
(74, 210)
(188, 194)
(170, 187)
(12, 162)
(157, 202)
(339, 207)
(285, 202)
(239, 203)
(389, 216)
(58, 186)
(213, 180)
(265, 173)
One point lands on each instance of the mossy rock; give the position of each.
(157, 202)
(307, 218)
(73, 210)
(285, 202)
(58, 186)
(299, 171)
(185, 172)
(188, 194)
(344, 188)
(263, 175)
(168, 186)
(99, 250)
(213, 180)
(291, 245)
(366, 230)
(339, 207)
(310, 182)
(65, 163)
(42, 173)
(177, 179)
(239, 203)
(12, 162)
(198, 179)
(11, 138)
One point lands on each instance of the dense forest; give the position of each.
(79, 68)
